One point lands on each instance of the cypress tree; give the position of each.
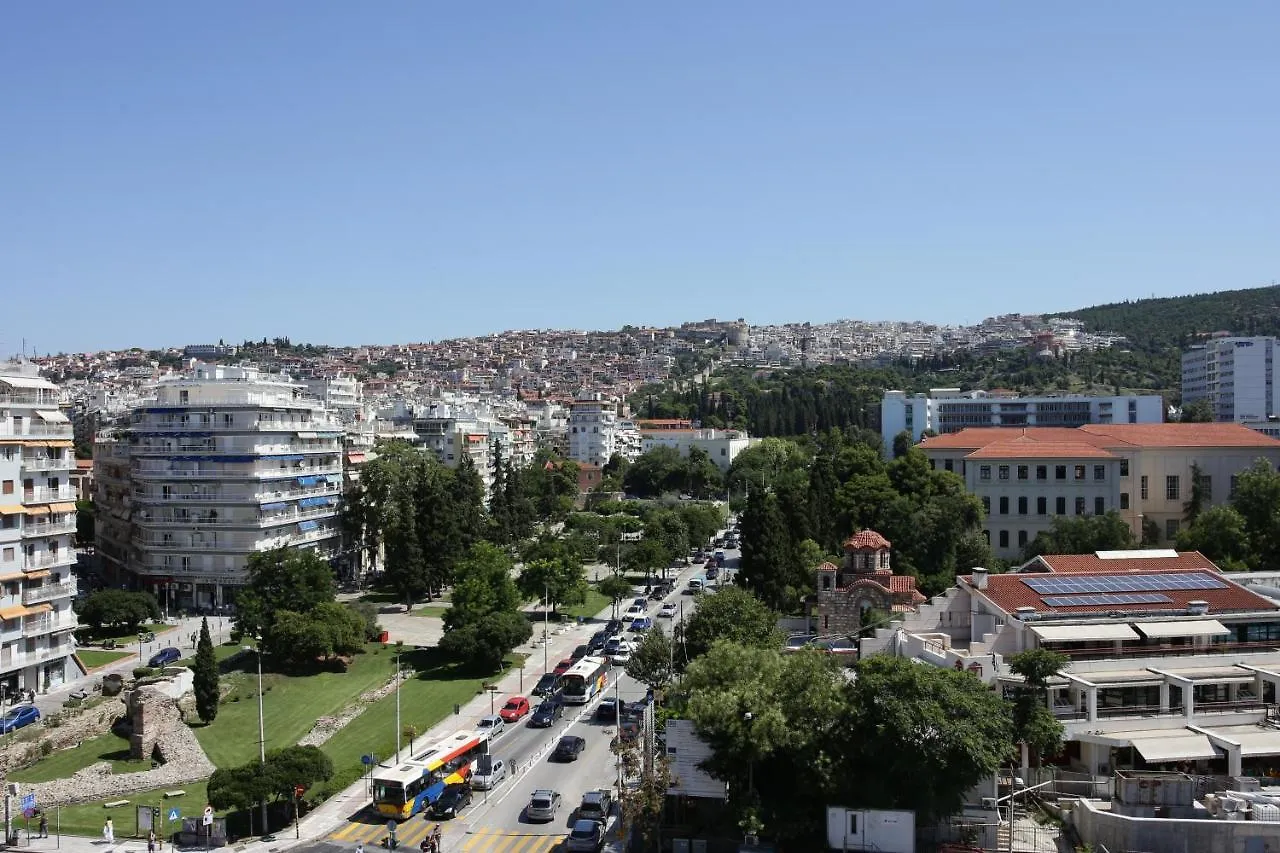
(206, 676)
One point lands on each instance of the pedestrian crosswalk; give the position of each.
(479, 840)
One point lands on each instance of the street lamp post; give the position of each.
(262, 735)
(399, 648)
(546, 626)
(139, 647)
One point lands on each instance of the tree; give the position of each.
(733, 614)
(770, 559)
(563, 580)
(653, 663)
(85, 523)
(1198, 497)
(205, 676)
(657, 472)
(297, 766)
(1256, 498)
(1197, 411)
(615, 587)
(487, 641)
(901, 444)
(645, 557)
(284, 579)
(667, 528)
(1033, 723)
(702, 477)
(484, 585)
(117, 607)
(405, 569)
(1082, 534)
(1220, 534)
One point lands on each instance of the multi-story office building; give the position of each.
(1234, 375)
(223, 463)
(947, 410)
(1144, 472)
(37, 523)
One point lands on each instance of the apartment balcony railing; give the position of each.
(289, 518)
(144, 449)
(38, 431)
(141, 495)
(288, 494)
(1130, 652)
(254, 473)
(31, 531)
(10, 660)
(48, 592)
(313, 535)
(1152, 711)
(143, 425)
(36, 627)
(49, 559)
(33, 463)
(187, 545)
(43, 494)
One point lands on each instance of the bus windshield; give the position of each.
(388, 792)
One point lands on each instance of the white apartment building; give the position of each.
(947, 410)
(1234, 375)
(1026, 477)
(341, 396)
(37, 526)
(722, 445)
(223, 463)
(593, 425)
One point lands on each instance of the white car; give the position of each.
(492, 726)
(634, 612)
(622, 655)
(668, 611)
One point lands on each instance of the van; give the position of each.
(695, 585)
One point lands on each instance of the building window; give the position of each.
(1023, 472)
(1206, 487)
(1124, 467)
(984, 472)
(7, 487)
(1079, 472)
(1124, 500)
(1234, 482)
(724, 452)
(826, 582)
(948, 464)
(1079, 506)
(1142, 491)
(1171, 529)
(1099, 506)
(1172, 488)
(1004, 506)
(1004, 539)
(1042, 472)
(1060, 472)
(986, 506)
(1022, 538)
(8, 555)
(1060, 506)
(1099, 472)
(1004, 472)
(1022, 506)
(1042, 506)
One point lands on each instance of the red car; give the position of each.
(517, 708)
(564, 666)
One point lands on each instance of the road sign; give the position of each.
(367, 759)
(208, 816)
(28, 802)
(174, 814)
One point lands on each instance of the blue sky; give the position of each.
(404, 171)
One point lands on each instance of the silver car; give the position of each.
(490, 772)
(492, 725)
(543, 805)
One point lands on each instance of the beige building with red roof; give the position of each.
(1025, 477)
(865, 581)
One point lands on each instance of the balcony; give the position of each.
(38, 431)
(36, 627)
(48, 592)
(44, 463)
(142, 424)
(10, 660)
(236, 474)
(139, 495)
(1163, 651)
(290, 518)
(43, 494)
(289, 494)
(31, 531)
(50, 559)
(190, 545)
(145, 449)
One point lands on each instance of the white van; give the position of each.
(695, 585)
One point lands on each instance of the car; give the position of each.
(516, 709)
(492, 725)
(585, 837)
(164, 657)
(668, 610)
(731, 542)
(489, 773)
(596, 806)
(546, 684)
(597, 641)
(657, 592)
(568, 748)
(644, 623)
(699, 558)
(16, 718)
(453, 800)
(640, 602)
(622, 655)
(712, 572)
(613, 626)
(543, 805)
(695, 586)
(719, 557)
(564, 666)
(634, 612)
(607, 710)
(546, 714)
(581, 652)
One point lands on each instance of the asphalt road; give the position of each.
(495, 822)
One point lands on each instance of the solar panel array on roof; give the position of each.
(1103, 600)
(1123, 583)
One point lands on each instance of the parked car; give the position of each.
(581, 652)
(452, 800)
(564, 666)
(719, 557)
(586, 837)
(16, 718)
(569, 748)
(492, 725)
(642, 603)
(668, 610)
(543, 805)
(613, 627)
(164, 657)
(731, 542)
(547, 714)
(644, 623)
(546, 684)
(596, 806)
(516, 709)
(607, 710)
(490, 772)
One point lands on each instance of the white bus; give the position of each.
(584, 680)
(403, 789)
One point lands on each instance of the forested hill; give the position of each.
(1155, 325)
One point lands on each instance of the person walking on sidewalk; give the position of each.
(44, 825)
(109, 832)
(151, 841)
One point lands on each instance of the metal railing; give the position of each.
(34, 530)
(1175, 709)
(235, 474)
(35, 627)
(63, 557)
(44, 494)
(48, 592)
(38, 431)
(1167, 651)
(189, 496)
(276, 450)
(42, 463)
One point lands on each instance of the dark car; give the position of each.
(546, 685)
(607, 710)
(595, 806)
(585, 837)
(712, 572)
(164, 657)
(597, 641)
(569, 748)
(581, 652)
(546, 714)
(452, 801)
(614, 627)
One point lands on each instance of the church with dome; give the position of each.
(862, 583)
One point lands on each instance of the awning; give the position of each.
(1182, 628)
(1175, 745)
(53, 417)
(308, 481)
(314, 501)
(1080, 633)
(273, 506)
(305, 526)
(1254, 741)
(36, 510)
(62, 507)
(15, 612)
(12, 576)
(27, 382)
(37, 574)
(59, 443)
(12, 509)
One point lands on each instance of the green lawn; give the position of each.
(588, 609)
(222, 653)
(65, 762)
(87, 819)
(291, 704)
(435, 611)
(110, 634)
(93, 658)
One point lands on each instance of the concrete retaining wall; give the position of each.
(1117, 832)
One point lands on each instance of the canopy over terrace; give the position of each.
(1158, 746)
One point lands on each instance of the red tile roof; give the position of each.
(1070, 564)
(867, 540)
(1009, 592)
(1107, 436)
(1025, 448)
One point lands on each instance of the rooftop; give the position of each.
(1103, 437)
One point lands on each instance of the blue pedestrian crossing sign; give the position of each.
(174, 814)
(28, 802)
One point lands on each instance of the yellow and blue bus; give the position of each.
(406, 788)
(584, 680)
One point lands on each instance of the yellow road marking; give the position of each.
(496, 841)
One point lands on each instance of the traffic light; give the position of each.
(155, 813)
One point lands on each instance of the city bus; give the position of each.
(402, 790)
(584, 680)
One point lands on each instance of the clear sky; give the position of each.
(348, 172)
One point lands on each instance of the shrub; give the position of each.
(143, 672)
(73, 702)
(46, 747)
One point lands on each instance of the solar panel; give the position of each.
(1072, 585)
(1104, 600)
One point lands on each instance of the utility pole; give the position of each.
(399, 648)
(546, 626)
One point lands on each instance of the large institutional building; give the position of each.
(1026, 477)
(37, 524)
(221, 464)
(1234, 375)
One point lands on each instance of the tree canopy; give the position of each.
(733, 614)
(484, 622)
(118, 608)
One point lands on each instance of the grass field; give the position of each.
(93, 658)
(435, 611)
(65, 762)
(588, 609)
(87, 819)
(223, 654)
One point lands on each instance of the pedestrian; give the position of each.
(151, 841)
(359, 847)
(44, 825)
(109, 832)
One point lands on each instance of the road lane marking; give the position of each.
(485, 840)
